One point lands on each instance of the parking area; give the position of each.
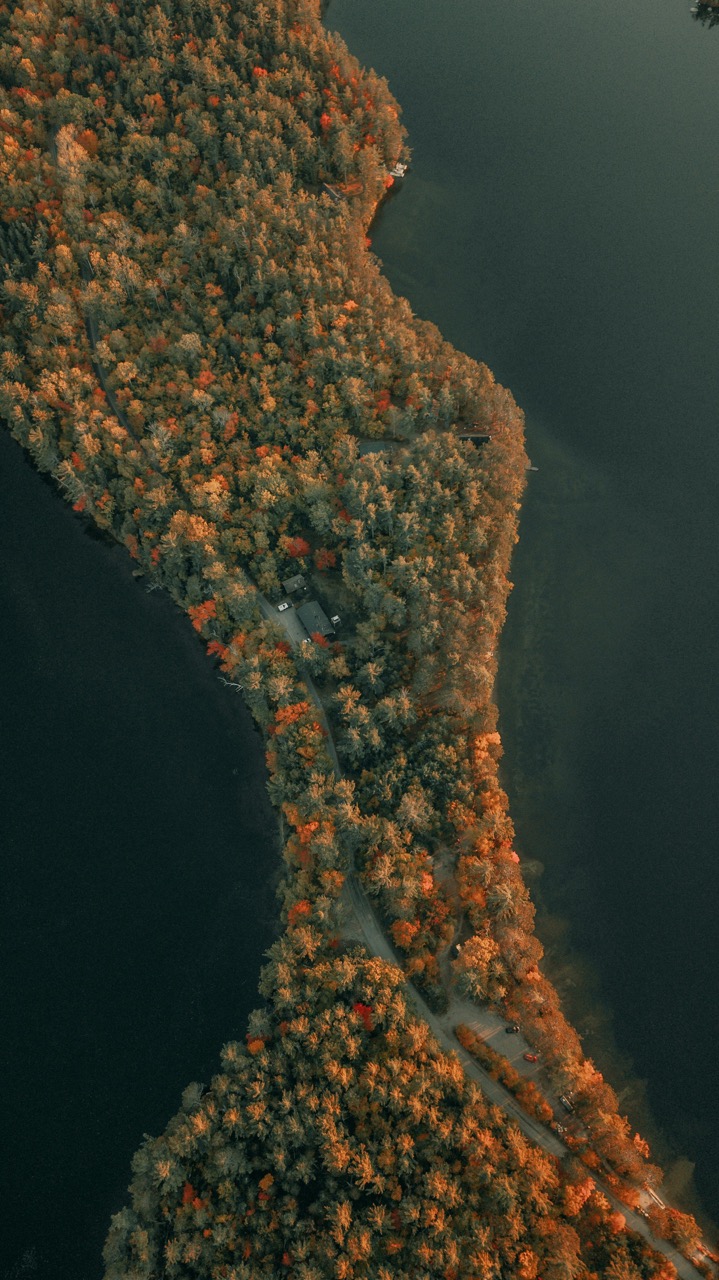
(290, 621)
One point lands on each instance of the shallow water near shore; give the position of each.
(558, 223)
(139, 857)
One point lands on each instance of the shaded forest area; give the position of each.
(199, 346)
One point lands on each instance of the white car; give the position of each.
(285, 605)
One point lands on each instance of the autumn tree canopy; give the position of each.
(197, 344)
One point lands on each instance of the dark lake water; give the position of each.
(140, 854)
(559, 223)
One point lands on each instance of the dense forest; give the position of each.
(197, 343)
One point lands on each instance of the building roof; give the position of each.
(314, 619)
(294, 584)
(475, 437)
(367, 445)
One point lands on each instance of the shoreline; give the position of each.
(566, 962)
(571, 968)
(419, 573)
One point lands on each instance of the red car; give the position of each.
(531, 1057)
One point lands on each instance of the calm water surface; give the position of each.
(139, 855)
(559, 223)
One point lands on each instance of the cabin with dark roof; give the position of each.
(314, 619)
(476, 438)
(297, 583)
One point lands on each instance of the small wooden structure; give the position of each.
(297, 583)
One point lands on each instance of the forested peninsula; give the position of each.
(198, 345)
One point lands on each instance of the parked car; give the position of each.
(531, 1057)
(512, 1029)
(285, 605)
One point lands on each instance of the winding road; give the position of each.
(363, 924)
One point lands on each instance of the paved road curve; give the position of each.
(371, 933)
(377, 944)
